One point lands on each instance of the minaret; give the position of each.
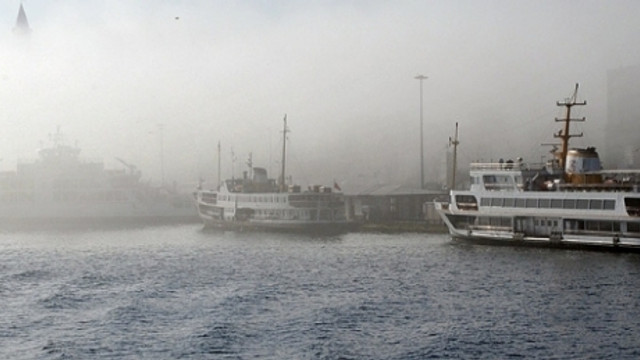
(22, 25)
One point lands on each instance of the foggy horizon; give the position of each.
(109, 74)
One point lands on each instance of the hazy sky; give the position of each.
(108, 72)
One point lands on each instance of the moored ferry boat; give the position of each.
(569, 202)
(60, 189)
(259, 203)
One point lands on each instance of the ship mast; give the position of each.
(454, 142)
(219, 156)
(564, 134)
(284, 151)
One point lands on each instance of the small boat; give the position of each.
(569, 202)
(256, 202)
(60, 189)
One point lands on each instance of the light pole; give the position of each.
(161, 135)
(421, 77)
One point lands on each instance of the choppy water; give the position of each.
(178, 292)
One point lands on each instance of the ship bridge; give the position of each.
(509, 176)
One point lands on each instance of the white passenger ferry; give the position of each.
(569, 202)
(257, 203)
(61, 189)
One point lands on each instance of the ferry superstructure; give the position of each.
(61, 189)
(259, 203)
(569, 202)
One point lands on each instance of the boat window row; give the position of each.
(253, 198)
(311, 197)
(632, 205)
(208, 197)
(571, 225)
(466, 202)
(633, 227)
(545, 222)
(498, 182)
(282, 214)
(461, 221)
(579, 204)
(494, 221)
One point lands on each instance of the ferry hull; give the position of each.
(608, 242)
(574, 244)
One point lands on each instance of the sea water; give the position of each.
(182, 293)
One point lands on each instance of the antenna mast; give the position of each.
(564, 134)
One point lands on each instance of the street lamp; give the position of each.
(421, 77)
(161, 134)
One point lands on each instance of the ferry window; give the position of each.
(544, 203)
(520, 202)
(609, 204)
(556, 203)
(490, 182)
(466, 202)
(485, 202)
(569, 203)
(616, 226)
(496, 201)
(532, 203)
(633, 227)
(509, 202)
(493, 182)
(489, 179)
(595, 204)
(632, 206)
(605, 225)
(582, 204)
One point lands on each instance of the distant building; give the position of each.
(22, 24)
(622, 145)
(389, 203)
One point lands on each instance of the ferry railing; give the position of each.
(505, 166)
(490, 227)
